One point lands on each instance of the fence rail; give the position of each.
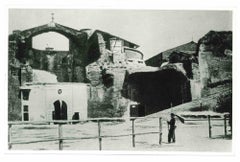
(99, 136)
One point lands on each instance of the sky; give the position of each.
(153, 30)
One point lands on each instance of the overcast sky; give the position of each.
(154, 30)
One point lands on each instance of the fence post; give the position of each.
(160, 131)
(9, 136)
(60, 136)
(230, 122)
(133, 133)
(99, 135)
(209, 126)
(225, 125)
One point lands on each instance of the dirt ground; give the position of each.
(190, 136)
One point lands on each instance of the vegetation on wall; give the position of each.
(217, 42)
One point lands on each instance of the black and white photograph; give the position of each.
(120, 80)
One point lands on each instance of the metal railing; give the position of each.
(99, 136)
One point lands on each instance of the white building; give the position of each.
(54, 101)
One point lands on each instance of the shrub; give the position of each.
(224, 103)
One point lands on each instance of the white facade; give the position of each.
(39, 105)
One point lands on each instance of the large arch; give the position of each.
(76, 54)
(54, 27)
(24, 38)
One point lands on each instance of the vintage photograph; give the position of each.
(120, 80)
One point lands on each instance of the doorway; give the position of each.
(60, 110)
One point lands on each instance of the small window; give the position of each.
(25, 93)
(25, 117)
(25, 113)
(25, 108)
(140, 62)
(130, 60)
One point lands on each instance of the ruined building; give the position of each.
(94, 57)
(114, 69)
(208, 65)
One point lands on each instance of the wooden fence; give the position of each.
(225, 119)
(60, 123)
(210, 125)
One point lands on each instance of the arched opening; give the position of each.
(50, 50)
(53, 40)
(60, 110)
(68, 66)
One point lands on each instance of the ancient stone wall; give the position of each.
(14, 102)
(106, 79)
(215, 60)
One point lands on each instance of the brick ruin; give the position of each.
(113, 67)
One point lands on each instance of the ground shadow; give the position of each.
(228, 137)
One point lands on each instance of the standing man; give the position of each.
(171, 131)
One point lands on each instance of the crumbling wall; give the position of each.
(215, 59)
(78, 48)
(215, 65)
(106, 79)
(14, 102)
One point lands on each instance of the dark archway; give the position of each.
(158, 90)
(60, 110)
